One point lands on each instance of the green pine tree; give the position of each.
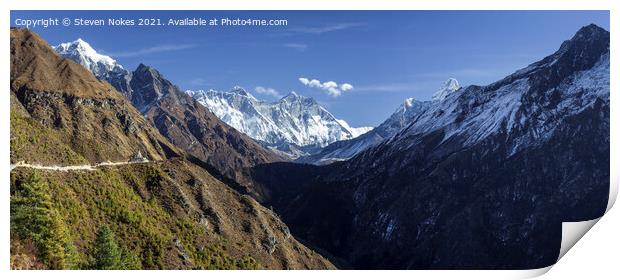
(107, 252)
(33, 217)
(129, 260)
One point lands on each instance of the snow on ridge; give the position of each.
(81, 52)
(448, 87)
(355, 131)
(474, 116)
(294, 119)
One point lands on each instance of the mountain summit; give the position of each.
(79, 50)
(103, 67)
(148, 86)
(404, 115)
(293, 120)
(448, 87)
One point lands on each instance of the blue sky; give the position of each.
(386, 56)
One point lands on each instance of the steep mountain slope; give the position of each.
(293, 120)
(60, 113)
(190, 126)
(482, 179)
(148, 87)
(165, 213)
(401, 118)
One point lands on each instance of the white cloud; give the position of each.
(267, 91)
(296, 46)
(330, 84)
(335, 92)
(346, 87)
(330, 87)
(326, 28)
(304, 81)
(315, 83)
(150, 50)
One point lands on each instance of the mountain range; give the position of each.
(402, 117)
(295, 127)
(103, 67)
(294, 120)
(292, 126)
(482, 179)
(165, 210)
(478, 177)
(183, 121)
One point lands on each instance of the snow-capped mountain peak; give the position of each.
(81, 52)
(448, 87)
(102, 66)
(294, 96)
(408, 102)
(528, 104)
(293, 120)
(241, 91)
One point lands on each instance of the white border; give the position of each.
(599, 259)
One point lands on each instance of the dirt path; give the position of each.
(71, 167)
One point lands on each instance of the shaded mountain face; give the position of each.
(482, 179)
(167, 213)
(402, 117)
(190, 126)
(293, 125)
(61, 113)
(148, 86)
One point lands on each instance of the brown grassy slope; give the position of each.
(58, 102)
